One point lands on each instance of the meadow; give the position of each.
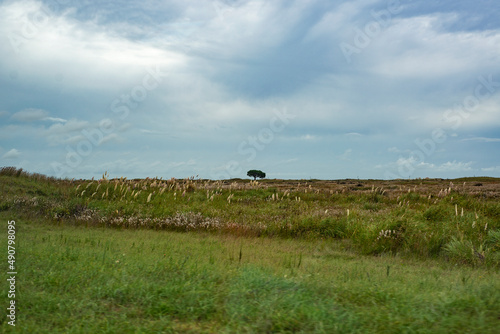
(242, 256)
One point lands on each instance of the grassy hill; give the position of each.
(201, 256)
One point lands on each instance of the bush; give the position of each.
(12, 171)
(492, 210)
(493, 241)
(461, 251)
(435, 213)
(412, 197)
(311, 227)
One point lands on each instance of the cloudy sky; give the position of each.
(299, 89)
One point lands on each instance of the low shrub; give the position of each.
(435, 213)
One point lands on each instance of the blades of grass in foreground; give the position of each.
(82, 280)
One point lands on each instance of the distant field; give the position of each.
(152, 255)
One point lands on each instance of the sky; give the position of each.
(298, 89)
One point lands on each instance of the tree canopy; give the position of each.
(256, 174)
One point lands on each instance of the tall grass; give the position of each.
(424, 218)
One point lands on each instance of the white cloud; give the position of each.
(495, 169)
(252, 20)
(70, 126)
(12, 154)
(394, 150)
(29, 115)
(454, 166)
(289, 161)
(308, 137)
(60, 44)
(450, 166)
(69, 132)
(55, 119)
(67, 139)
(337, 19)
(483, 139)
(346, 155)
(487, 114)
(58, 139)
(190, 162)
(110, 138)
(411, 161)
(417, 47)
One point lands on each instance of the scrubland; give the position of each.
(199, 256)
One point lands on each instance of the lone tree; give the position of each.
(256, 174)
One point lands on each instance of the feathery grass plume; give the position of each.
(137, 194)
(149, 197)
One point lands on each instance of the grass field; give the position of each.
(199, 256)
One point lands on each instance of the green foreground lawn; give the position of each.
(100, 280)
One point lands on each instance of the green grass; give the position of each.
(377, 257)
(423, 218)
(97, 280)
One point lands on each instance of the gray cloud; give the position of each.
(29, 115)
(227, 66)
